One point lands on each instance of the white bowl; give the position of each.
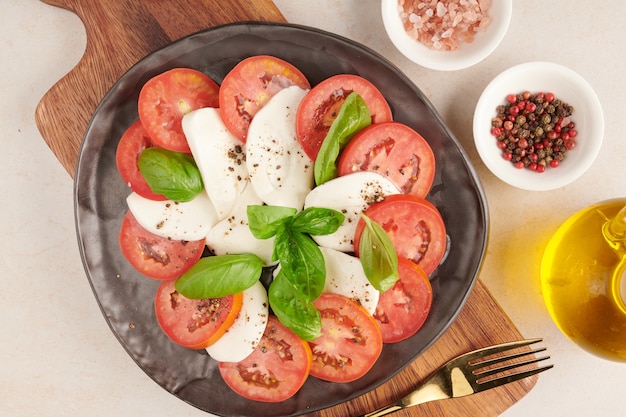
(467, 55)
(566, 85)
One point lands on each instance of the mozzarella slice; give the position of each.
(280, 171)
(350, 194)
(345, 276)
(220, 157)
(232, 235)
(244, 335)
(190, 220)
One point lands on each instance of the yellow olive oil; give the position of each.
(583, 280)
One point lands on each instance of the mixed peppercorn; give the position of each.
(534, 130)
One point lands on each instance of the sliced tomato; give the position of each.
(350, 343)
(275, 371)
(132, 143)
(394, 150)
(167, 97)
(155, 256)
(320, 107)
(249, 85)
(194, 324)
(402, 310)
(414, 225)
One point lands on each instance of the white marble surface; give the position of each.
(58, 356)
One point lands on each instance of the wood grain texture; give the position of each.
(121, 32)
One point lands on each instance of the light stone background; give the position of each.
(58, 356)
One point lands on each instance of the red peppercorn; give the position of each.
(541, 168)
(501, 144)
(519, 165)
(573, 133)
(533, 166)
(531, 107)
(554, 163)
(549, 97)
(511, 98)
(522, 143)
(496, 131)
(570, 144)
(507, 155)
(514, 110)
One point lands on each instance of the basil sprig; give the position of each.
(293, 310)
(219, 276)
(353, 116)
(378, 256)
(302, 273)
(172, 174)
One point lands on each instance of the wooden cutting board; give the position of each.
(121, 32)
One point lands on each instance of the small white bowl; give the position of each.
(567, 86)
(467, 55)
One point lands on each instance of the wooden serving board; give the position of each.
(121, 32)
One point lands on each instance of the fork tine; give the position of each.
(481, 364)
(511, 378)
(480, 353)
(494, 371)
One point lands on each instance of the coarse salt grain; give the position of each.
(444, 24)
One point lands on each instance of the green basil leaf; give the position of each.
(219, 276)
(353, 116)
(378, 256)
(264, 221)
(173, 174)
(293, 309)
(301, 261)
(317, 221)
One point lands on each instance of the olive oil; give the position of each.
(583, 279)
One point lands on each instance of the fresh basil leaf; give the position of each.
(378, 256)
(353, 116)
(264, 221)
(317, 221)
(301, 261)
(173, 174)
(293, 309)
(219, 276)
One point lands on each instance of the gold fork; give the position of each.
(472, 372)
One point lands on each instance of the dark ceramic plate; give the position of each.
(126, 298)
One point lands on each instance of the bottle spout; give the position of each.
(615, 230)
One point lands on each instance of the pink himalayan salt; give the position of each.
(444, 24)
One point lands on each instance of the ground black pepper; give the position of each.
(534, 130)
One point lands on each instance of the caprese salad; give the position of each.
(316, 186)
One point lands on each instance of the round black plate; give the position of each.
(126, 298)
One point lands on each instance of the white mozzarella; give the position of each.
(345, 276)
(189, 220)
(245, 333)
(280, 171)
(220, 157)
(350, 194)
(232, 235)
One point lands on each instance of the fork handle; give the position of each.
(391, 408)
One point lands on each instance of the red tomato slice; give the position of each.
(321, 105)
(155, 256)
(402, 310)
(249, 85)
(414, 225)
(395, 151)
(350, 342)
(132, 143)
(194, 324)
(275, 371)
(167, 97)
